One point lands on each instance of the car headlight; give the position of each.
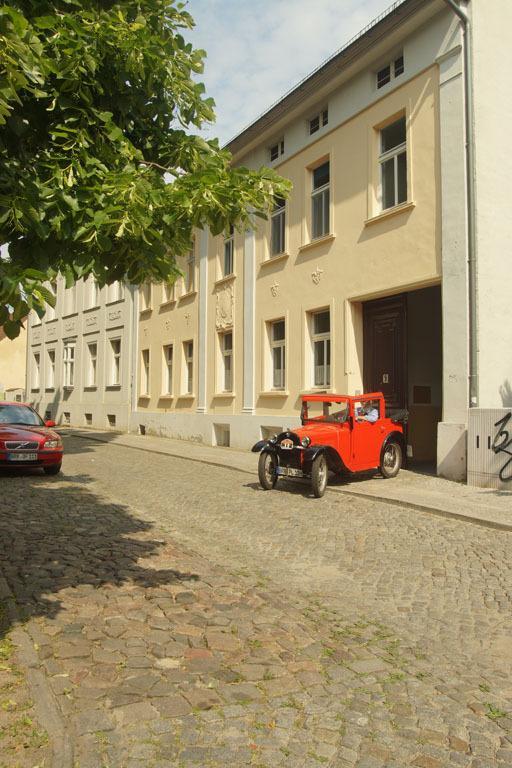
(52, 443)
(306, 441)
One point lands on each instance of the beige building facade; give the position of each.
(13, 360)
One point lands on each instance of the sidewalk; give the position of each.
(410, 489)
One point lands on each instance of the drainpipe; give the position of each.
(470, 184)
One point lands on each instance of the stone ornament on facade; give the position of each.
(224, 304)
(274, 289)
(188, 317)
(114, 314)
(316, 276)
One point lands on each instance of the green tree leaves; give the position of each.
(96, 103)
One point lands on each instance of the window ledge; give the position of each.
(166, 304)
(112, 387)
(317, 391)
(317, 241)
(166, 396)
(226, 395)
(67, 387)
(90, 388)
(225, 279)
(36, 389)
(70, 314)
(95, 308)
(114, 301)
(144, 396)
(51, 320)
(390, 212)
(273, 259)
(47, 389)
(274, 393)
(186, 396)
(145, 312)
(187, 295)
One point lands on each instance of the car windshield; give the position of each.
(20, 414)
(321, 410)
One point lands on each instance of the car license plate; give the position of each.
(289, 472)
(22, 457)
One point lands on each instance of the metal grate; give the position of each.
(490, 448)
(21, 445)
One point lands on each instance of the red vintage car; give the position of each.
(339, 433)
(28, 441)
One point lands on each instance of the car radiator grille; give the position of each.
(21, 445)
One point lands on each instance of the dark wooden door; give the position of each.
(385, 349)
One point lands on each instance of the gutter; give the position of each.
(470, 192)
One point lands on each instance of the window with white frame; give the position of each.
(393, 164)
(144, 372)
(115, 362)
(318, 121)
(276, 150)
(93, 292)
(50, 369)
(277, 353)
(115, 291)
(278, 222)
(226, 350)
(320, 201)
(321, 344)
(387, 73)
(51, 311)
(168, 292)
(36, 371)
(145, 296)
(70, 300)
(167, 369)
(190, 273)
(68, 363)
(188, 353)
(91, 364)
(229, 247)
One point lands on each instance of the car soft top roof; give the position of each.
(342, 398)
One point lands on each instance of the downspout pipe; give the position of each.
(470, 185)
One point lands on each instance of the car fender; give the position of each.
(264, 445)
(334, 460)
(398, 437)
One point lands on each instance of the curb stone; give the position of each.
(45, 705)
(448, 514)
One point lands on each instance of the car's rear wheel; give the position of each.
(391, 460)
(319, 472)
(267, 470)
(52, 469)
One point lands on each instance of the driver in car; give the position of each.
(367, 412)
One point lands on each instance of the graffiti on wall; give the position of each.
(502, 443)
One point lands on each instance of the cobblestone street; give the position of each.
(184, 617)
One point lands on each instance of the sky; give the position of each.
(259, 49)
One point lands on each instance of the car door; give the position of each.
(367, 441)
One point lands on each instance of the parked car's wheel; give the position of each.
(267, 470)
(52, 469)
(319, 472)
(391, 460)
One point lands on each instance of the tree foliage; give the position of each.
(99, 172)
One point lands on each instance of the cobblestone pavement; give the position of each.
(184, 617)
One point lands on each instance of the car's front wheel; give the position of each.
(319, 472)
(267, 470)
(52, 469)
(391, 460)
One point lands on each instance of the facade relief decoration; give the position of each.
(36, 335)
(91, 320)
(114, 314)
(70, 326)
(274, 289)
(316, 276)
(224, 307)
(51, 331)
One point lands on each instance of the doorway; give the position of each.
(402, 358)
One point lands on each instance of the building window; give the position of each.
(169, 292)
(390, 71)
(190, 275)
(278, 221)
(70, 300)
(188, 349)
(92, 359)
(276, 150)
(115, 291)
(318, 121)
(36, 374)
(229, 244)
(68, 359)
(93, 293)
(115, 362)
(321, 342)
(393, 164)
(277, 351)
(167, 378)
(51, 311)
(50, 369)
(320, 199)
(144, 383)
(145, 296)
(226, 346)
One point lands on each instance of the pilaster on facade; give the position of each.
(249, 291)
(202, 352)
